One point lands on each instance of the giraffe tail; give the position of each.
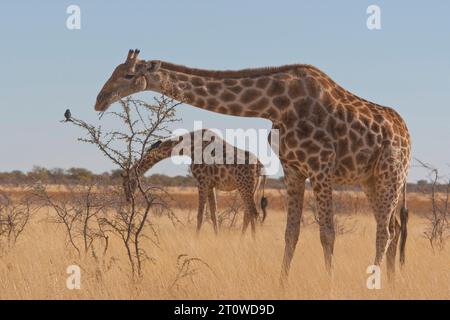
(264, 200)
(403, 227)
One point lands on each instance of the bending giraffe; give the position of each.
(327, 134)
(243, 174)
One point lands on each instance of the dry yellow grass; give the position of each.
(241, 268)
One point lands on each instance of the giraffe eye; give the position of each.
(129, 76)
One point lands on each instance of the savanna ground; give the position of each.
(229, 266)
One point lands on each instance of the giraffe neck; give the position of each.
(149, 160)
(165, 150)
(226, 92)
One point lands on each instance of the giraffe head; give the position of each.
(129, 184)
(130, 77)
(130, 178)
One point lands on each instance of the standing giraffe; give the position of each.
(327, 134)
(245, 176)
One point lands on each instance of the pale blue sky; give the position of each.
(45, 67)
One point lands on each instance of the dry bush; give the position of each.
(350, 202)
(14, 217)
(346, 206)
(228, 217)
(438, 230)
(187, 268)
(79, 211)
(144, 124)
(130, 222)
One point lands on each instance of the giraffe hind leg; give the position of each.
(394, 229)
(250, 213)
(245, 222)
(384, 193)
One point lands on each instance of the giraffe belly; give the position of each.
(226, 188)
(225, 184)
(358, 170)
(349, 179)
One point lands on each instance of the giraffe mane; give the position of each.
(227, 74)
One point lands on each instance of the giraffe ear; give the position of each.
(153, 66)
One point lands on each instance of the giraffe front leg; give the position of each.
(212, 208)
(295, 185)
(323, 193)
(201, 207)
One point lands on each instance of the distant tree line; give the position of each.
(82, 175)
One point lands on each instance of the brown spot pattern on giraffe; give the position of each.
(249, 95)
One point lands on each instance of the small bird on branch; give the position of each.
(68, 115)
